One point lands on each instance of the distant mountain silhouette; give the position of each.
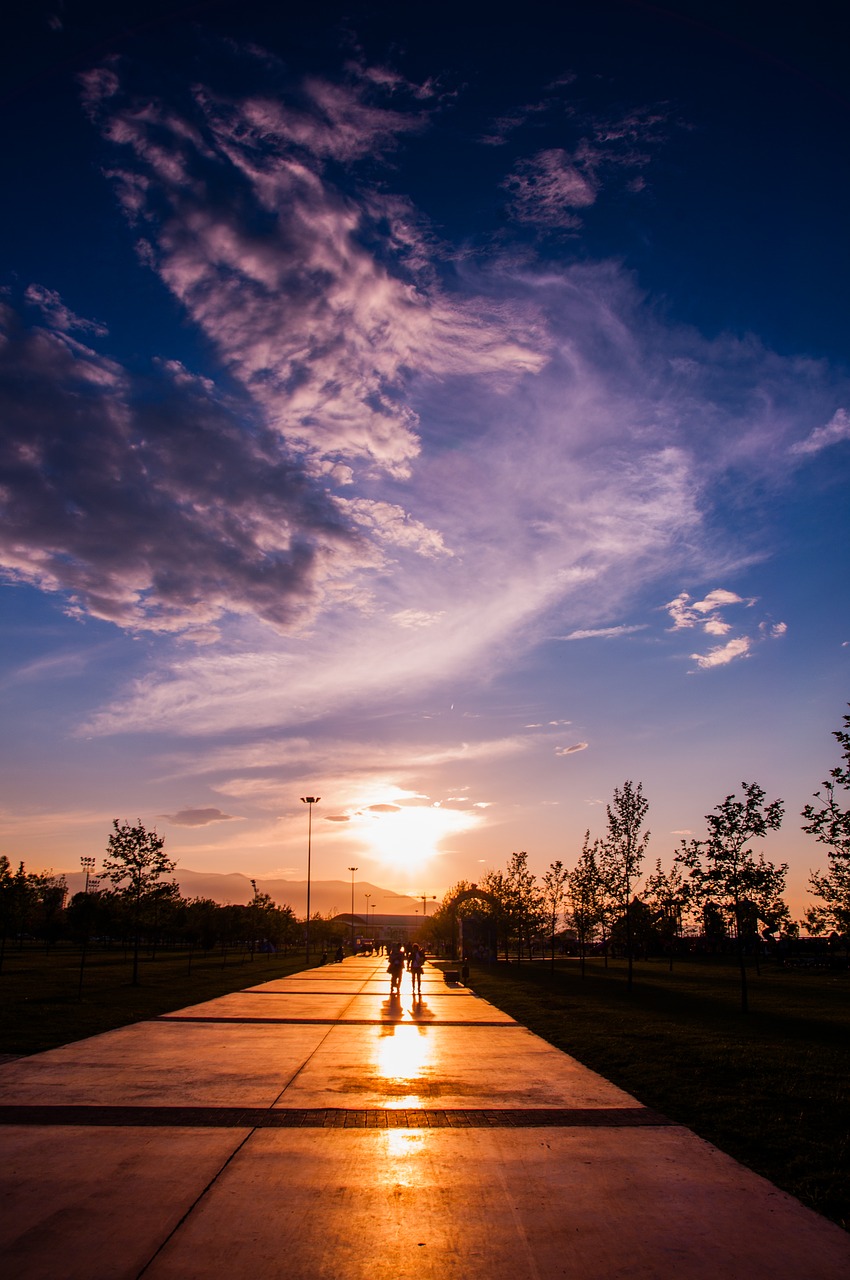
(325, 895)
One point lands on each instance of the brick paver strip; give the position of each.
(335, 1117)
(341, 1021)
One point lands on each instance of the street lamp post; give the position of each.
(253, 919)
(352, 870)
(368, 896)
(309, 801)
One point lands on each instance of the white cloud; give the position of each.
(705, 613)
(568, 751)
(722, 655)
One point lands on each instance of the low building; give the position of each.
(382, 928)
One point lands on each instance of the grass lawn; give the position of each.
(40, 1006)
(771, 1088)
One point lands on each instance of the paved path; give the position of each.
(310, 1127)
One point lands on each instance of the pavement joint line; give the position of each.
(222, 1117)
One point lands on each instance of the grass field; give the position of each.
(40, 1005)
(770, 1088)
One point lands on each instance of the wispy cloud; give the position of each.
(834, 432)
(269, 256)
(551, 188)
(603, 633)
(568, 751)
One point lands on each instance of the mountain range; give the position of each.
(326, 896)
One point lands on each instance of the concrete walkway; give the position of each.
(311, 1127)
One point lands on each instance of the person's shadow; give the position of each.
(420, 1011)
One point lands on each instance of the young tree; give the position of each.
(667, 895)
(724, 871)
(829, 822)
(494, 883)
(135, 865)
(15, 901)
(555, 882)
(585, 894)
(524, 899)
(623, 849)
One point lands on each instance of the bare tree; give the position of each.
(725, 872)
(623, 849)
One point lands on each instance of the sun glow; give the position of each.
(410, 836)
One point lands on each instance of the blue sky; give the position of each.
(444, 414)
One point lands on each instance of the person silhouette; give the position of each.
(417, 964)
(395, 968)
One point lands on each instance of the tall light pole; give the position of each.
(352, 870)
(367, 896)
(426, 898)
(88, 864)
(309, 801)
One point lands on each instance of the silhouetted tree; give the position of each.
(622, 853)
(135, 865)
(725, 872)
(495, 883)
(554, 895)
(585, 895)
(667, 895)
(523, 898)
(829, 822)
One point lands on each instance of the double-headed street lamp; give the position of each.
(309, 801)
(352, 870)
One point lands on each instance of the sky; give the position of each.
(440, 410)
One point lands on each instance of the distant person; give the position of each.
(340, 954)
(417, 964)
(395, 969)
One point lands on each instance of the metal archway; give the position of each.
(457, 921)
